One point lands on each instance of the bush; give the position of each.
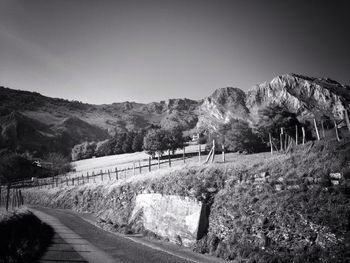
(58, 163)
(14, 167)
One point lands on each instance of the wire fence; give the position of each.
(122, 172)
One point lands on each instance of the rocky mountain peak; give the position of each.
(226, 96)
(302, 95)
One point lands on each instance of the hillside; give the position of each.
(260, 208)
(32, 122)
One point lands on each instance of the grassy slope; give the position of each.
(307, 221)
(120, 160)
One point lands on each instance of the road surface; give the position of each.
(77, 240)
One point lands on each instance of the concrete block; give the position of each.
(171, 216)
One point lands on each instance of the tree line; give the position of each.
(154, 141)
(244, 136)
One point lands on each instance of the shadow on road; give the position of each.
(24, 238)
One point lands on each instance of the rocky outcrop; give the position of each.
(221, 106)
(302, 95)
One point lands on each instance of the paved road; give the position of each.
(77, 240)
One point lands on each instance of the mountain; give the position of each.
(36, 123)
(305, 96)
(221, 106)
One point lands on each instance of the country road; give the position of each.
(78, 240)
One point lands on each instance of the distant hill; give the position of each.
(39, 124)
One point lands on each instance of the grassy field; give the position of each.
(120, 160)
(124, 163)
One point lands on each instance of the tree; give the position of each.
(84, 150)
(174, 139)
(237, 135)
(273, 118)
(155, 142)
(58, 163)
(137, 143)
(127, 143)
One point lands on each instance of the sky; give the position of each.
(151, 50)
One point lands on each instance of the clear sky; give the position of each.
(110, 51)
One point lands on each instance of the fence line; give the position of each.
(131, 169)
(284, 144)
(10, 197)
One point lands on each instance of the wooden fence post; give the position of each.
(13, 198)
(8, 197)
(184, 155)
(93, 176)
(21, 197)
(323, 135)
(199, 152)
(125, 173)
(149, 164)
(303, 131)
(116, 174)
(18, 202)
(270, 140)
(223, 153)
(281, 139)
(109, 175)
(140, 167)
(213, 154)
(169, 160)
(336, 131)
(158, 161)
(101, 172)
(133, 168)
(318, 135)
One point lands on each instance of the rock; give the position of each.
(278, 187)
(336, 176)
(289, 187)
(309, 179)
(335, 182)
(211, 189)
